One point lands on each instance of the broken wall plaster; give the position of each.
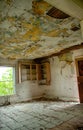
(64, 84)
(66, 57)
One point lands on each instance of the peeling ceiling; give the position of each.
(28, 32)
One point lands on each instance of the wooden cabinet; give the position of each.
(28, 72)
(45, 73)
(39, 72)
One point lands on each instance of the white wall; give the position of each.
(24, 91)
(63, 77)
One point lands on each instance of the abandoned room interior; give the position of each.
(41, 64)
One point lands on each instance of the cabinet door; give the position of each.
(45, 73)
(33, 72)
(38, 72)
(24, 72)
(48, 77)
(28, 71)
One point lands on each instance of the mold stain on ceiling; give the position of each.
(27, 32)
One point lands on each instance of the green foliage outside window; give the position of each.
(6, 82)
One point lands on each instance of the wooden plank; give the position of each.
(48, 73)
(19, 72)
(31, 78)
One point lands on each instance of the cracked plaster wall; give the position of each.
(63, 77)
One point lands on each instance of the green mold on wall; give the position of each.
(66, 57)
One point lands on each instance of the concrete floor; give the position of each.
(42, 115)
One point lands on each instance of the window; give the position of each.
(7, 80)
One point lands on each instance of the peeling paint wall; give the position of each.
(24, 91)
(63, 77)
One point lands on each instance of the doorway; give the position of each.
(79, 66)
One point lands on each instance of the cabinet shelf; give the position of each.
(39, 72)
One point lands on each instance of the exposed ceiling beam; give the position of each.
(66, 50)
(69, 7)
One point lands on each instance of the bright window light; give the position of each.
(6, 81)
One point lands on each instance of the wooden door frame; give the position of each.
(76, 64)
(77, 72)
